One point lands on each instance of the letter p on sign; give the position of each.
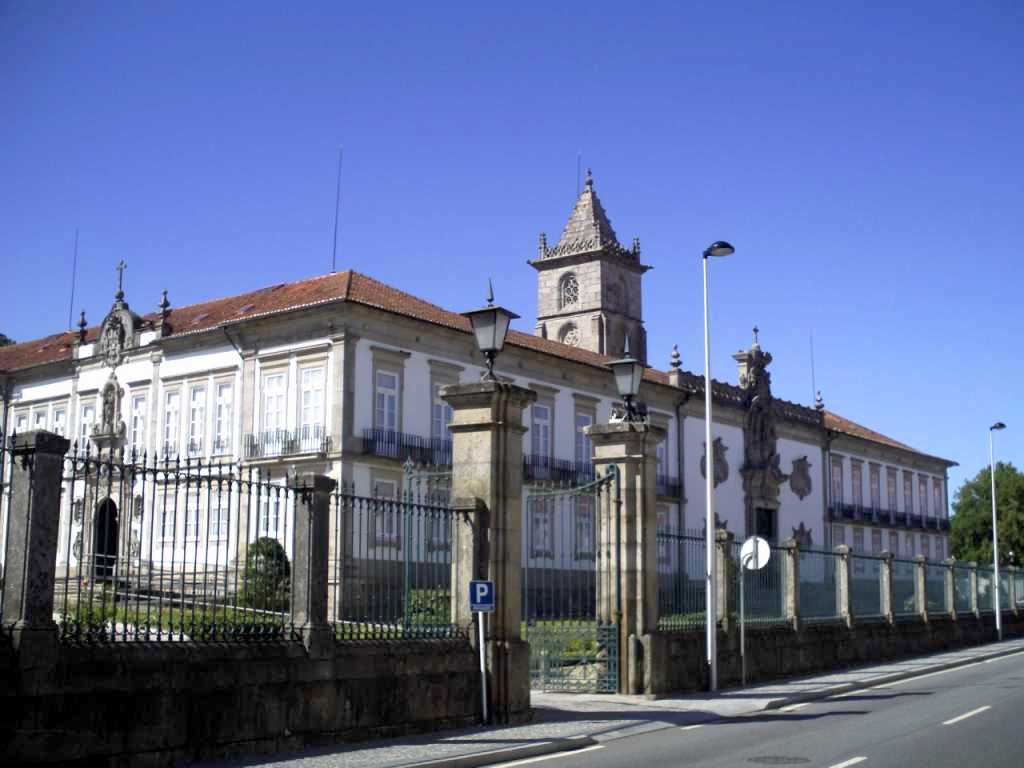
(481, 596)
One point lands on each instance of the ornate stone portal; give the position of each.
(761, 471)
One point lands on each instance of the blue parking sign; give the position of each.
(481, 596)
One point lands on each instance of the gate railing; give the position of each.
(392, 565)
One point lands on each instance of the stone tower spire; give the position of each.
(589, 284)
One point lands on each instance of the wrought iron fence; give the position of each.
(764, 589)
(391, 565)
(904, 595)
(962, 598)
(681, 581)
(1018, 588)
(935, 588)
(543, 469)
(819, 587)
(286, 442)
(866, 585)
(426, 451)
(156, 550)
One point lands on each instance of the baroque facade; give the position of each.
(341, 374)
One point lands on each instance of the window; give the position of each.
(890, 488)
(137, 435)
(876, 542)
(922, 494)
(875, 481)
(838, 535)
(222, 422)
(540, 430)
(661, 454)
(192, 518)
(583, 528)
(837, 480)
(385, 414)
(940, 548)
(21, 422)
(664, 555)
(273, 413)
(894, 543)
(39, 419)
(940, 510)
(269, 521)
(172, 411)
(856, 481)
(166, 522)
(584, 452)
(60, 420)
(764, 523)
(85, 424)
(542, 530)
(569, 290)
(858, 540)
(386, 515)
(908, 493)
(312, 417)
(926, 546)
(218, 518)
(441, 415)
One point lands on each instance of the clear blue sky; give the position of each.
(866, 161)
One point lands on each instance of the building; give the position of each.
(342, 374)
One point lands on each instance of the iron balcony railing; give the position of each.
(668, 486)
(287, 442)
(389, 444)
(538, 468)
(943, 524)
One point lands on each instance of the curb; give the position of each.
(893, 678)
(507, 754)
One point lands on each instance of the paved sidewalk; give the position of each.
(567, 721)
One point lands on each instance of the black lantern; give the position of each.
(628, 373)
(490, 326)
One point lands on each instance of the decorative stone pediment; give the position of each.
(721, 465)
(118, 332)
(800, 477)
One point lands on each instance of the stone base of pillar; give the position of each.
(36, 645)
(508, 681)
(318, 640)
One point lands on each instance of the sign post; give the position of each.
(481, 601)
(753, 557)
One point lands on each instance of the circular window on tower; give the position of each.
(569, 290)
(570, 335)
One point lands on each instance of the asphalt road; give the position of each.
(971, 717)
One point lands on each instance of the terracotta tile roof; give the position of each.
(358, 288)
(837, 423)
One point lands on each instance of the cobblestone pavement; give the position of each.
(570, 720)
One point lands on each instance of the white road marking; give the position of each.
(851, 761)
(929, 674)
(795, 707)
(529, 760)
(964, 716)
(691, 727)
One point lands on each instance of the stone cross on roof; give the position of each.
(121, 267)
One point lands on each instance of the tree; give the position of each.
(970, 533)
(5, 340)
(267, 579)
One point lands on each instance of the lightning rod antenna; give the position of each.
(337, 204)
(74, 271)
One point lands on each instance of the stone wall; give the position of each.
(164, 703)
(674, 662)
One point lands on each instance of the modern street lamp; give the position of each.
(995, 530)
(717, 248)
(629, 372)
(490, 326)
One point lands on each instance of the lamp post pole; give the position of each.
(719, 248)
(995, 530)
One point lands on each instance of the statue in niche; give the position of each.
(721, 465)
(110, 427)
(800, 477)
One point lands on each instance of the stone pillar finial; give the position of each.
(36, 472)
(310, 541)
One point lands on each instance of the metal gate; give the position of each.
(571, 603)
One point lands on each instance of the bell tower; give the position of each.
(589, 285)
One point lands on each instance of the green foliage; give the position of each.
(267, 579)
(971, 527)
(6, 341)
(429, 607)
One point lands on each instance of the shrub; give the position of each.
(267, 579)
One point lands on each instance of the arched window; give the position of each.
(569, 290)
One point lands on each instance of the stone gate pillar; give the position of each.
(487, 491)
(310, 542)
(33, 525)
(633, 557)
